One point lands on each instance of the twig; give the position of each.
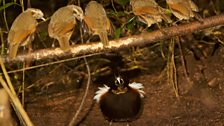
(22, 4)
(4, 15)
(112, 2)
(2, 41)
(7, 77)
(23, 84)
(21, 113)
(52, 63)
(183, 61)
(28, 4)
(171, 69)
(84, 97)
(72, 122)
(13, 99)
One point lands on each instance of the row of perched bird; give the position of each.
(63, 21)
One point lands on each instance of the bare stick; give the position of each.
(21, 113)
(52, 63)
(84, 97)
(183, 61)
(7, 77)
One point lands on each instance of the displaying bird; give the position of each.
(97, 21)
(183, 9)
(149, 12)
(122, 101)
(62, 24)
(22, 30)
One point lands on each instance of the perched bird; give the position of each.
(63, 22)
(97, 21)
(149, 12)
(122, 101)
(183, 9)
(6, 118)
(22, 30)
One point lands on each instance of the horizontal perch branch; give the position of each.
(135, 40)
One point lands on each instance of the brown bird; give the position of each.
(22, 30)
(183, 9)
(149, 12)
(63, 22)
(97, 21)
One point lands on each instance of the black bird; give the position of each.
(121, 102)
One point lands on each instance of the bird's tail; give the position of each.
(13, 48)
(64, 43)
(104, 38)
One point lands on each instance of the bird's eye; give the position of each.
(75, 11)
(119, 81)
(33, 13)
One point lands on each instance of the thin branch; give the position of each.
(125, 42)
(21, 113)
(10, 85)
(2, 41)
(72, 122)
(4, 15)
(183, 62)
(52, 63)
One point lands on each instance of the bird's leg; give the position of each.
(53, 44)
(127, 124)
(91, 36)
(110, 124)
(30, 50)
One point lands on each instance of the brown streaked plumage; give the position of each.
(149, 12)
(62, 24)
(97, 21)
(22, 30)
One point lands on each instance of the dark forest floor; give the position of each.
(200, 104)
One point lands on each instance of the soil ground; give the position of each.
(200, 103)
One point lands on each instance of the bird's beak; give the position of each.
(43, 19)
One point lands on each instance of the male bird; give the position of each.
(183, 9)
(62, 24)
(22, 30)
(149, 12)
(122, 101)
(97, 21)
